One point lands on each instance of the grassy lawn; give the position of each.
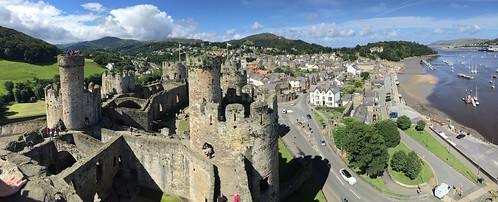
(157, 196)
(287, 166)
(424, 176)
(183, 125)
(377, 183)
(18, 110)
(427, 140)
(309, 191)
(319, 119)
(20, 72)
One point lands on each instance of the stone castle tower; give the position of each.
(117, 83)
(237, 122)
(176, 73)
(73, 103)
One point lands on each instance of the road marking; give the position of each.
(354, 193)
(339, 179)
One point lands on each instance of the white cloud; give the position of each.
(438, 31)
(256, 26)
(469, 29)
(44, 21)
(230, 32)
(366, 31)
(96, 7)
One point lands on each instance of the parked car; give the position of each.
(309, 116)
(347, 176)
(322, 142)
(393, 115)
(284, 111)
(460, 136)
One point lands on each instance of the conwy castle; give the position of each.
(119, 138)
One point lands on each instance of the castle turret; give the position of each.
(177, 72)
(72, 80)
(233, 79)
(204, 97)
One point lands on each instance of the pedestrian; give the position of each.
(236, 198)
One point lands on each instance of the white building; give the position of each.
(325, 96)
(351, 69)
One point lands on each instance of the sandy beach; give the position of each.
(415, 86)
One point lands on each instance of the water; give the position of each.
(450, 89)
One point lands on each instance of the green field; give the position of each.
(18, 110)
(427, 140)
(20, 72)
(424, 176)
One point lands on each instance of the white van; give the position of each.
(442, 190)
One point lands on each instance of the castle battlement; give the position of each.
(70, 61)
(204, 62)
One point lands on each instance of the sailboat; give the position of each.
(493, 84)
(476, 99)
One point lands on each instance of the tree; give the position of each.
(399, 161)
(278, 70)
(17, 95)
(404, 122)
(389, 131)
(420, 125)
(366, 149)
(414, 167)
(340, 136)
(365, 75)
(9, 86)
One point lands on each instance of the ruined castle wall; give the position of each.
(92, 105)
(117, 83)
(22, 127)
(95, 172)
(172, 98)
(167, 165)
(53, 105)
(44, 154)
(176, 72)
(72, 87)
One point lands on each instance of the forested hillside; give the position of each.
(387, 50)
(17, 46)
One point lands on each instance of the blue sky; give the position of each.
(333, 23)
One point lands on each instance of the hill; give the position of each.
(268, 40)
(21, 72)
(111, 43)
(387, 50)
(457, 42)
(17, 46)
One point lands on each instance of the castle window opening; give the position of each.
(212, 81)
(261, 119)
(210, 119)
(177, 98)
(234, 117)
(263, 184)
(99, 169)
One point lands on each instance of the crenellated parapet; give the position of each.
(233, 79)
(204, 61)
(120, 82)
(174, 72)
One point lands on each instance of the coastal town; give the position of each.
(119, 111)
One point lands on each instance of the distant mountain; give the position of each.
(18, 46)
(268, 40)
(457, 42)
(111, 43)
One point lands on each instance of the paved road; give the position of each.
(335, 185)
